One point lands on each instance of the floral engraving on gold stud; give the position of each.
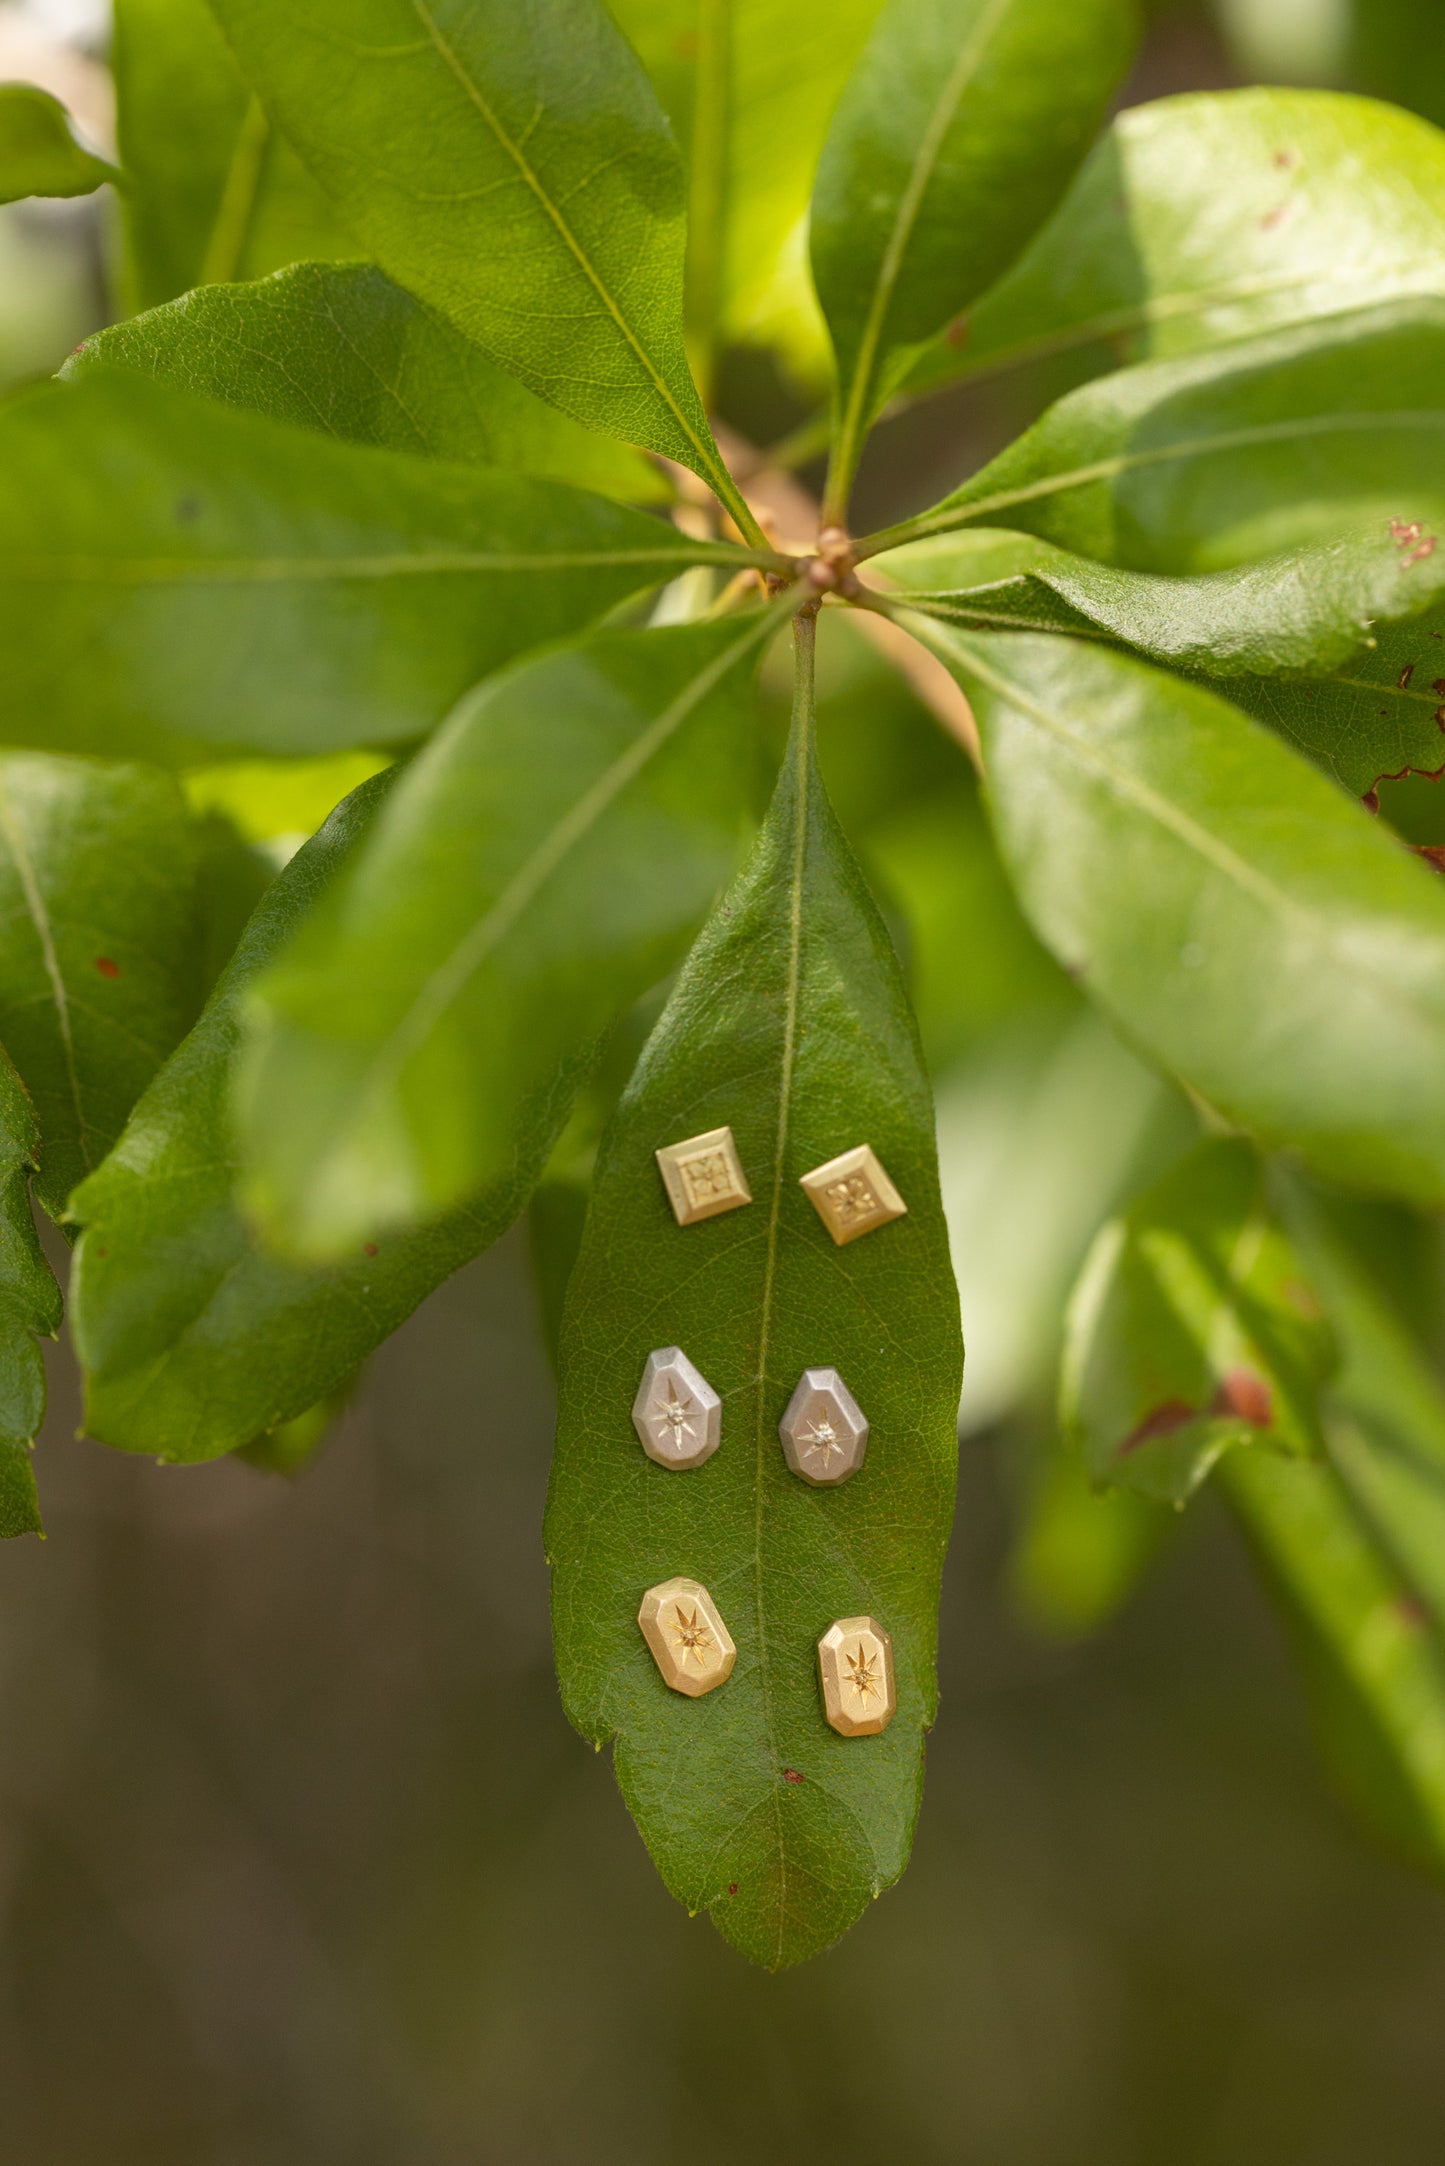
(689, 1641)
(824, 1431)
(703, 1176)
(855, 1664)
(677, 1414)
(852, 1194)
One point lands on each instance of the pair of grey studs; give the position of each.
(678, 1417)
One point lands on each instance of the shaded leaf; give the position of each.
(1192, 1330)
(39, 155)
(543, 861)
(211, 191)
(30, 1305)
(1290, 963)
(1205, 218)
(1079, 1553)
(339, 348)
(506, 161)
(956, 135)
(99, 947)
(749, 86)
(193, 1339)
(1268, 444)
(790, 1025)
(1378, 716)
(181, 581)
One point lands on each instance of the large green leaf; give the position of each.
(339, 348)
(1244, 923)
(788, 1024)
(1377, 716)
(211, 191)
(180, 581)
(194, 1340)
(29, 1304)
(546, 859)
(1204, 218)
(507, 161)
(958, 131)
(39, 155)
(1268, 444)
(1192, 1330)
(749, 86)
(99, 951)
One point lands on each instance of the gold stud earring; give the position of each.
(690, 1643)
(703, 1176)
(855, 1667)
(852, 1194)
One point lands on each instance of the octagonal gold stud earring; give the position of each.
(855, 1668)
(690, 1644)
(852, 1194)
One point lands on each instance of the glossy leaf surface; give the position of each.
(39, 155)
(1192, 1330)
(30, 1304)
(789, 1024)
(1205, 218)
(194, 1340)
(1375, 717)
(508, 162)
(181, 581)
(99, 961)
(339, 348)
(1272, 443)
(545, 859)
(750, 86)
(957, 133)
(1290, 964)
(212, 192)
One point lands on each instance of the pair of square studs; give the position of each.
(851, 1193)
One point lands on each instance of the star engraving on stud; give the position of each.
(677, 1414)
(852, 1194)
(824, 1430)
(689, 1642)
(855, 1669)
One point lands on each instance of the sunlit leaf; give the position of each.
(39, 155)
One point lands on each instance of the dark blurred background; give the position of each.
(300, 1864)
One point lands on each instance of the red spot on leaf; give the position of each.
(1437, 684)
(957, 333)
(1285, 159)
(106, 967)
(1402, 682)
(1371, 800)
(1434, 851)
(102, 1252)
(790, 1774)
(732, 1887)
(1422, 550)
(1164, 1420)
(1404, 532)
(1276, 218)
(1411, 1611)
(1301, 1298)
(369, 1249)
(1247, 1395)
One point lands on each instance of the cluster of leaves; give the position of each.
(380, 486)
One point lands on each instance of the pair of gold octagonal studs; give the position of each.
(694, 1651)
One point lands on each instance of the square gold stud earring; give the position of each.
(852, 1194)
(703, 1176)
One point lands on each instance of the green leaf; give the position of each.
(1192, 1330)
(1357, 1612)
(30, 1304)
(339, 348)
(956, 135)
(1338, 605)
(750, 86)
(1376, 718)
(544, 861)
(1272, 443)
(1080, 1552)
(39, 155)
(1290, 961)
(194, 1340)
(1205, 218)
(182, 581)
(509, 164)
(790, 1025)
(99, 951)
(212, 193)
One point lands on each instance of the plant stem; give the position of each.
(237, 207)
